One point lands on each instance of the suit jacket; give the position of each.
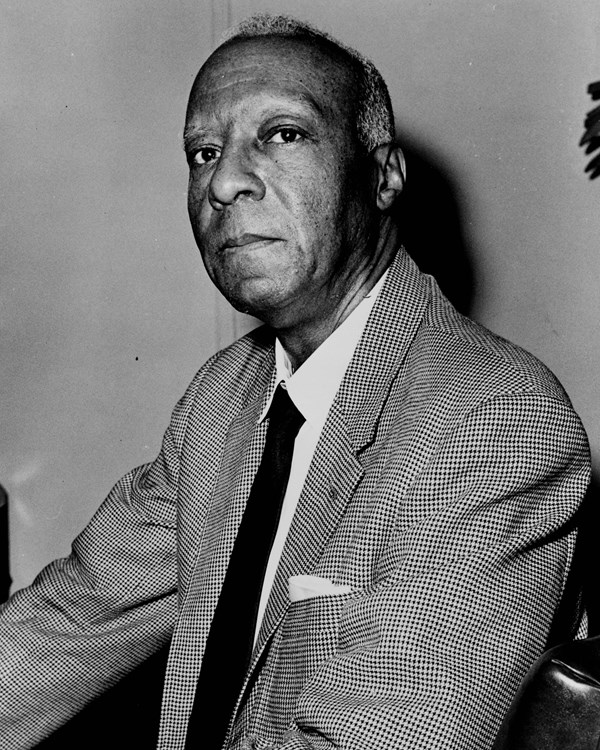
(441, 497)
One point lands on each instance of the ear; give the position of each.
(390, 170)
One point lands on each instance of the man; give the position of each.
(416, 567)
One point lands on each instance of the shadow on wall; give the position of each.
(431, 230)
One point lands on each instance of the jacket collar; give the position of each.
(381, 350)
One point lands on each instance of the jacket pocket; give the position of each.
(307, 637)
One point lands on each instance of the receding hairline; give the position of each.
(344, 63)
(281, 26)
(337, 55)
(322, 43)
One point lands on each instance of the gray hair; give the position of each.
(374, 114)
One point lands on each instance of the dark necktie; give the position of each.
(231, 636)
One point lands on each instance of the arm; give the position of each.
(89, 619)
(431, 654)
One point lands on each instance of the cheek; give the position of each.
(199, 211)
(314, 200)
(327, 218)
(195, 197)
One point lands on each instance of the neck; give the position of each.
(301, 341)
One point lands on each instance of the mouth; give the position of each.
(244, 240)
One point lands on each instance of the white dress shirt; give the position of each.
(312, 388)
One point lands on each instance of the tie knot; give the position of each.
(283, 411)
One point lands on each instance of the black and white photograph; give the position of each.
(299, 369)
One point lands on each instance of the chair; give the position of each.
(557, 706)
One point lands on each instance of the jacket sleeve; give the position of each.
(92, 617)
(431, 654)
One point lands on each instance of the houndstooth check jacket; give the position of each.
(442, 493)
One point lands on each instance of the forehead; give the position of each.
(263, 67)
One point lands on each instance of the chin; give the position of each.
(258, 297)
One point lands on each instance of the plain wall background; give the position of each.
(105, 309)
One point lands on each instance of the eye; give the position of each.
(285, 135)
(205, 154)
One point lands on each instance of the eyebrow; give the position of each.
(193, 133)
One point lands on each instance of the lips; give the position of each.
(243, 240)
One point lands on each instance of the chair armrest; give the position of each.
(558, 703)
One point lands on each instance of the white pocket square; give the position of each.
(307, 587)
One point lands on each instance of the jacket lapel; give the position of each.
(382, 349)
(239, 463)
(239, 460)
(336, 469)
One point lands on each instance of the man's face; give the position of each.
(277, 194)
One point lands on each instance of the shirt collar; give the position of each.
(312, 387)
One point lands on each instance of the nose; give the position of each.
(234, 177)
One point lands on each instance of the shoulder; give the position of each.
(236, 364)
(456, 353)
(228, 379)
(459, 377)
